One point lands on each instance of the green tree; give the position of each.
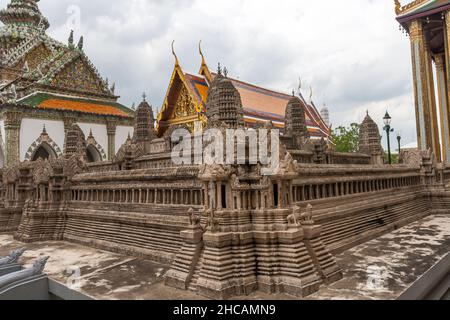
(346, 139)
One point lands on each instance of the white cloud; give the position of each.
(350, 51)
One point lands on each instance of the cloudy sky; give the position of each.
(351, 52)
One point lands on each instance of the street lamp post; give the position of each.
(387, 127)
(399, 139)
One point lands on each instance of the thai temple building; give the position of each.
(89, 179)
(186, 97)
(427, 22)
(47, 86)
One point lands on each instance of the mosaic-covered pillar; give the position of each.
(423, 90)
(13, 121)
(443, 106)
(111, 132)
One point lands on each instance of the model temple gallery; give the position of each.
(80, 168)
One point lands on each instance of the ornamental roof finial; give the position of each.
(177, 62)
(299, 86)
(225, 72)
(44, 130)
(310, 93)
(70, 41)
(144, 96)
(81, 43)
(219, 69)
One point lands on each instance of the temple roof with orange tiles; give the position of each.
(187, 94)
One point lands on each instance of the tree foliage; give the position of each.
(346, 139)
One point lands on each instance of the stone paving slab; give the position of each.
(379, 269)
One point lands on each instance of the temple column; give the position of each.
(111, 132)
(427, 130)
(443, 81)
(436, 143)
(13, 121)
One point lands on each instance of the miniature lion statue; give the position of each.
(213, 223)
(307, 216)
(194, 219)
(293, 219)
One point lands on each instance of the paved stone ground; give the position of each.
(379, 269)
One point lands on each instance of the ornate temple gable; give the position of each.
(419, 8)
(399, 9)
(180, 105)
(77, 75)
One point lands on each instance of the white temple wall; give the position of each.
(31, 130)
(98, 131)
(122, 135)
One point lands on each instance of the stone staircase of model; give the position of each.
(359, 221)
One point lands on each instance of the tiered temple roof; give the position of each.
(260, 104)
(32, 63)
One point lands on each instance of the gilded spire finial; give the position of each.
(201, 53)
(398, 7)
(299, 86)
(177, 62)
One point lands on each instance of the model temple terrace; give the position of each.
(89, 182)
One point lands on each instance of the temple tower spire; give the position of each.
(24, 13)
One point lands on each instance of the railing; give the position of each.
(316, 183)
